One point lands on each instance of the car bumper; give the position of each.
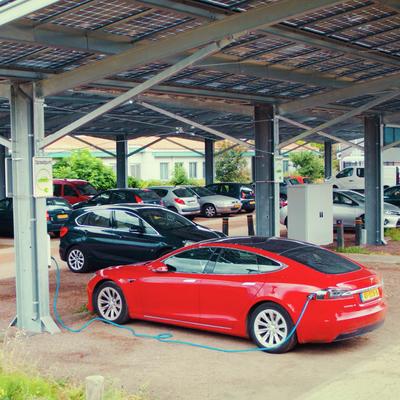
(325, 323)
(54, 227)
(189, 211)
(248, 206)
(227, 209)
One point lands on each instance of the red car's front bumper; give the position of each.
(331, 320)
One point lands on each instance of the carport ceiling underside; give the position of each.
(315, 60)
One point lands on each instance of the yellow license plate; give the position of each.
(236, 206)
(62, 216)
(369, 295)
(252, 202)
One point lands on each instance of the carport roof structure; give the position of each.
(316, 61)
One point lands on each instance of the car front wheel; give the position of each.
(209, 211)
(110, 303)
(269, 328)
(77, 260)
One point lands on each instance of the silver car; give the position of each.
(212, 204)
(178, 199)
(349, 205)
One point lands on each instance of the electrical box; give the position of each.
(310, 213)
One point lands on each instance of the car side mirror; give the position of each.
(160, 267)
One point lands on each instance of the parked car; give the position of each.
(287, 181)
(118, 234)
(73, 190)
(249, 287)
(120, 196)
(352, 178)
(392, 195)
(58, 211)
(241, 191)
(212, 204)
(179, 199)
(349, 205)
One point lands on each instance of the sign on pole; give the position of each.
(42, 177)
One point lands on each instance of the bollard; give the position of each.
(339, 234)
(359, 226)
(250, 225)
(225, 225)
(94, 387)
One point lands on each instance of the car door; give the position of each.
(344, 209)
(229, 288)
(173, 296)
(135, 239)
(392, 195)
(6, 216)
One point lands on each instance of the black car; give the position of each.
(392, 195)
(102, 236)
(58, 211)
(121, 196)
(241, 191)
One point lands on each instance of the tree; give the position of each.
(231, 166)
(179, 176)
(81, 164)
(308, 164)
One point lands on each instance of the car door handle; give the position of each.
(189, 280)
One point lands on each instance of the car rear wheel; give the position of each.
(269, 328)
(209, 211)
(77, 260)
(110, 303)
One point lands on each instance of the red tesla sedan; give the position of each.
(246, 286)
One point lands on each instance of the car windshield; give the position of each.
(148, 195)
(321, 260)
(57, 202)
(202, 192)
(164, 220)
(356, 196)
(86, 189)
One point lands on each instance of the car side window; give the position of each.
(345, 173)
(393, 192)
(237, 262)
(102, 198)
(191, 261)
(161, 192)
(101, 219)
(126, 221)
(120, 197)
(360, 172)
(57, 190)
(69, 191)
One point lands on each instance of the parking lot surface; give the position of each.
(361, 368)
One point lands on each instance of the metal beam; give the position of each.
(144, 147)
(185, 147)
(20, 8)
(341, 118)
(237, 24)
(327, 135)
(209, 161)
(327, 159)
(94, 146)
(122, 161)
(5, 142)
(358, 89)
(204, 52)
(390, 145)
(195, 124)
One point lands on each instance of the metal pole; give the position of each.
(358, 234)
(209, 161)
(30, 227)
(250, 225)
(328, 159)
(2, 172)
(122, 162)
(264, 170)
(339, 234)
(373, 180)
(225, 225)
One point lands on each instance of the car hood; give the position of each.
(390, 207)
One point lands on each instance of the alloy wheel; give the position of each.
(109, 303)
(209, 211)
(76, 260)
(270, 328)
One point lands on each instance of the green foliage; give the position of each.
(393, 234)
(135, 182)
(231, 166)
(353, 250)
(179, 176)
(81, 164)
(308, 164)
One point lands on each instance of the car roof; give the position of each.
(272, 244)
(69, 180)
(127, 206)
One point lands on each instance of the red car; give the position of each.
(73, 190)
(246, 286)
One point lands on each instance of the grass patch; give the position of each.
(353, 250)
(82, 309)
(393, 234)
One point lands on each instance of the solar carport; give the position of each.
(261, 73)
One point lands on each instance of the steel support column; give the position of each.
(209, 161)
(265, 143)
(2, 172)
(373, 180)
(30, 226)
(328, 159)
(122, 162)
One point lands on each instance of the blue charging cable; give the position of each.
(166, 337)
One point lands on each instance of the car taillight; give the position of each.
(63, 231)
(179, 201)
(138, 199)
(333, 293)
(243, 195)
(47, 216)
